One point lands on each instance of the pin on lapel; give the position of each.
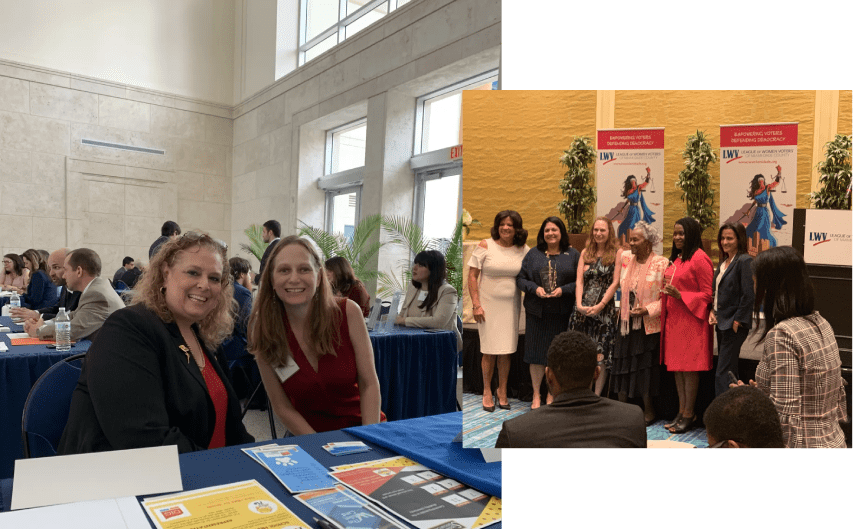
(185, 351)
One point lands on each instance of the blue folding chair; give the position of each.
(237, 357)
(46, 409)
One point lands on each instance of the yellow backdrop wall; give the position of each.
(512, 141)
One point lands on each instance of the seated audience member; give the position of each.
(151, 377)
(235, 345)
(14, 276)
(41, 292)
(307, 345)
(130, 277)
(170, 230)
(98, 299)
(577, 418)
(743, 417)
(68, 299)
(345, 284)
(128, 264)
(241, 274)
(800, 369)
(430, 302)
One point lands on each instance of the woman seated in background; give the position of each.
(14, 276)
(152, 377)
(242, 275)
(345, 284)
(41, 291)
(800, 369)
(430, 302)
(313, 351)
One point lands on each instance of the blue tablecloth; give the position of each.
(430, 442)
(209, 468)
(417, 372)
(20, 367)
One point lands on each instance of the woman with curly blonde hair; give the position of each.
(155, 373)
(313, 351)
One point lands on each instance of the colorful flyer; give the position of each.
(294, 468)
(630, 176)
(758, 182)
(244, 504)
(347, 510)
(421, 496)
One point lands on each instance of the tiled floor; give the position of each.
(481, 428)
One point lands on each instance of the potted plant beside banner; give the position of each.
(836, 175)
(577, 189)
(695, 183)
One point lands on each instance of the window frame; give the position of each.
(331, 193)
(337, 29)
(429, 167)
(328, 145)
(421, 101)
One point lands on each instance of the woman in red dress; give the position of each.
(313, 351)
(686, 336)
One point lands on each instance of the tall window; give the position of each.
(326, 23)
(345, 154)
(438, 196)
(346, 147)
(343, 210)
(439, 114)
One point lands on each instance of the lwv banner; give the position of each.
(630, 169)
(758, 181)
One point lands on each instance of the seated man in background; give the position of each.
(68, 299)
(577, 418)
(98, 299)
(743, 417)
(128, 264)
(170, 230)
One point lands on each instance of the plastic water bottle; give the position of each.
(15, 301)
(62, 331)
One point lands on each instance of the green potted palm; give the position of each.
(577, 190)
(836, 175)
(359, 249)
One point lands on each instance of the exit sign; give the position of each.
(456, 152)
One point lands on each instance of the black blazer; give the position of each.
(264, 257)
(68, 300)
(735, 294)
(529, 279)
(577, 419)
(137, 390)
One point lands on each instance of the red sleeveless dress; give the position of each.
(329, 399)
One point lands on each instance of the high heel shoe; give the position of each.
(684, 424)
(674, 421)
(506, 405)
(488, 409)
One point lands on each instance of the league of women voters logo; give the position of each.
(819, 237)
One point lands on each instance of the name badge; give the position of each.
(284, 373)
(421, 296)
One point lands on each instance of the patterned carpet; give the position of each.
(481, 429)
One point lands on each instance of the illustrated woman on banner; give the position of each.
(634, 195)
(763, 221)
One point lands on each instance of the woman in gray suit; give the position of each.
(430, 302)
(733, 293)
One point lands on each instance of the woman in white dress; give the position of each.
(493, 270)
